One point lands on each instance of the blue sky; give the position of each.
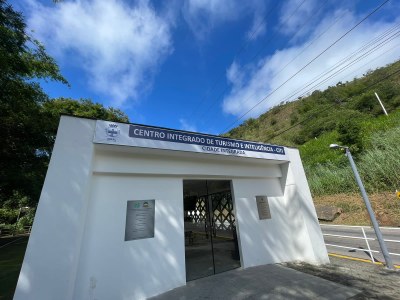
(201, 65)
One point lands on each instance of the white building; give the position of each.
(130, 211)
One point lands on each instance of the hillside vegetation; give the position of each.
(347, 114)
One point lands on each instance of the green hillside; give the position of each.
(347, 114)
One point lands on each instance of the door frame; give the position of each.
(209, 203)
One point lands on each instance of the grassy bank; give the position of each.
(386, 207)
(379, 167)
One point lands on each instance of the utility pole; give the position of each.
(380, 102)
(385, 252)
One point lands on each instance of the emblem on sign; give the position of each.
(112, 131)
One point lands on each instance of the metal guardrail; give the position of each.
(13, 231)
(363, 237)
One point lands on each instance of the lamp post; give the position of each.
(19, 215)
(20, 210)
(388, 260)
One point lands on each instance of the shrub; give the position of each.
(379, 168)
(8, 216)
(350, 135)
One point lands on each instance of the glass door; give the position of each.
(210, 229)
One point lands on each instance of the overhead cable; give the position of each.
(310, 62)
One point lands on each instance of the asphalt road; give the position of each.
(390, 235)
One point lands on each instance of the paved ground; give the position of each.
(391, 235)
(374, 282)
(263, 282)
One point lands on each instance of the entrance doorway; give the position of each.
(211, 244)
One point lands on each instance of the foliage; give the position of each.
(29, 119)
(379, 168)
(347, 113)
(83, 108)
(312, 153)
(22, 60)
(54, 108)
(350, 135)
(27, 218)
(8, 216)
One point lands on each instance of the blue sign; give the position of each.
(209, 143)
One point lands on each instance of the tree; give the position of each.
(22, 61)
(350, 134)
(28, 118)
(52, 109)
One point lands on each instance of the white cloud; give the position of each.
(203, 16)
(186, 126)
(271, 71)
(119, 46)
(258, 28)
(294, 13)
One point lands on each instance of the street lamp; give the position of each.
(21, 209)
(388, 260)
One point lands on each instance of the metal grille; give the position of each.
(222, 211)
(199, 214)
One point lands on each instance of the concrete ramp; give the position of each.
(262, 282)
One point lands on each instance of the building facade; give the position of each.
(130, 211)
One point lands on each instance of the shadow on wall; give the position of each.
(58, 220)
(168, 264)
(282, 238)
(109, 266)
(117, 269)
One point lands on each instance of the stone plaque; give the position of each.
(263, 207)
(139, 219)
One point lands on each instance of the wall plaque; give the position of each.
(139, 219)
(263, 207)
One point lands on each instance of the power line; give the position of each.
(240, 51)
(312, 42)
(333, 67)
(353, 54)
(306, 65)
(307, 20)
(276, 74)
(337, 65)
(332, 105)
(314, 114)
(351, 63)
(316, 11)
(252, 58)
(323, 110)
(379, 56)
(279, 28)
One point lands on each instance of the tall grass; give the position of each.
(379, 168)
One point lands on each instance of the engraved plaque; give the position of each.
(139, 219)
(263, 207)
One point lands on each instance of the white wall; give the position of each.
(165, 162)
(296, 190)
(279, 239)
(51, 258)
(293, 232)
(77, 248)
(111, 268)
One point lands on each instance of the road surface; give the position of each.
(391, 236)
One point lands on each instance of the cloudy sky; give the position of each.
(204, 65)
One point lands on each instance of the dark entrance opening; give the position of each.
(211, 244)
